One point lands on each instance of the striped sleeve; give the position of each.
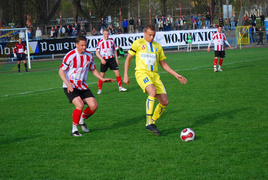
(67, 59)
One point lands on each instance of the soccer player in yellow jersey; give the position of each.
(148, 55)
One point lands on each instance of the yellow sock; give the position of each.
(149, 109)
(159, 110)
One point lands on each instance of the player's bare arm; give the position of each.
(97, 75)
(65, 80)
(116, 57)
(167, 68)
(99, 56)
(127, 63)
(208, 49)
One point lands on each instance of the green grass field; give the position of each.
(227, 110)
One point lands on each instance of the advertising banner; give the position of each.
(62, 46)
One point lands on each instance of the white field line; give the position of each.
(178, 70)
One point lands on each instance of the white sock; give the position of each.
(75, 128)
(219, 67)
(82, 120)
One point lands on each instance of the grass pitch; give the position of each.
(227, 110)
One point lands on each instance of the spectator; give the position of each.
(232, 20)
(208, 17)
(193, 21)
(177, 23)
(82, 31)
(185, 26)
(119, 30)
(183, 19)
(62, 31)
(101, 31)
(166, 25)
(22, 35)
(246, 20)
(260, 37)
(160, 25)
(131, 25)
(75, 32)
(110, 28)
(221, 23)
(125, 25)
(156, 22)
(200, 19)
(226, 27)
(139, 25)
(56, 31)
(253, 19)
(163, 19)
(82, 24)
(68, 31)
(52, 32)
(76, 26)
(250, 33)
(38, 33)
(254, 31)
(112, 31)
(170, 23)
(262, 19)
(94, 32)
(30, 34)
(179, 27)
(102, 24)
(267, 34)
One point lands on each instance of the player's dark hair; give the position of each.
(80, 38)
(220, 25)
(149, 27)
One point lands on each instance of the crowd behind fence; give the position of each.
(136, 25)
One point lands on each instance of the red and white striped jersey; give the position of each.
(20, 48)
(76, 67)
(106, 48)
(218, 39)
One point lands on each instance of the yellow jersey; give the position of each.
(147, 54)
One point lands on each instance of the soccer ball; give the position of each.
(187, 134)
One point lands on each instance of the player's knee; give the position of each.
(78, 104)
(165, 103)
(152, 93)
(117, 73)
(94, 107)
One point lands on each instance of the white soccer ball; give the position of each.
(187, 134)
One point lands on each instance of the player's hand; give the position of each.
(182, 79)
(103, 61)
(230, 46)
(70, 87)
(208, 49)
(126, 80)
(108, 80)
